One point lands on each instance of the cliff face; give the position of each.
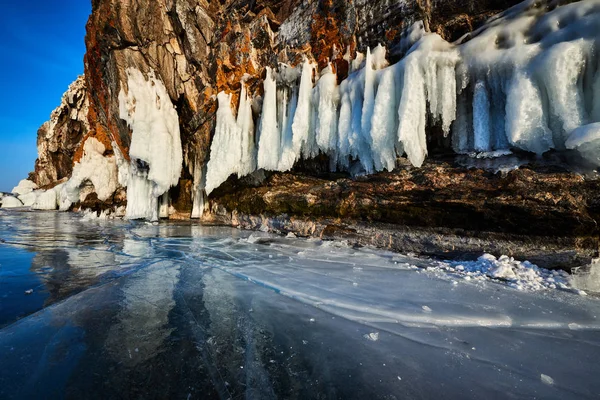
(61, 137)
(200, 48)
(167, 61)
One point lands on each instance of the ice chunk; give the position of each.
(10, 202)
(586, 140)
(547, 379)
(45, 200)
(25, 186)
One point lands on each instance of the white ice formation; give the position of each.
(155, 150)
(25, 186)
(233, 145)
(94, 168)
(7, 201)
(529, 79)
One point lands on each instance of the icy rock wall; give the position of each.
(155, 150)
(528, 79)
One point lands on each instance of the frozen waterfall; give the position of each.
(155, 150)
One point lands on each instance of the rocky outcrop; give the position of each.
(199, 48)
(61, 137)
(539, 212)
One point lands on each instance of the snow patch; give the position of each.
(521, 275)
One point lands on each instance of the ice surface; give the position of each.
(239, 313)
(528, 79)
(155, 142)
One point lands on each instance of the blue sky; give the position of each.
(42, 47)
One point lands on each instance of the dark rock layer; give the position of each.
(539, 212)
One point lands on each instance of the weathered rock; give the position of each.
(198, 48)
(60, 137)
(537, 212)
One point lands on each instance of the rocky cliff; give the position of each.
(154, 71)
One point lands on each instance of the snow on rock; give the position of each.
(529, 79)
(25, 186)
(521, 275)
(155, 150)
(93, 167)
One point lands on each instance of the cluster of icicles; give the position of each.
(529, 79)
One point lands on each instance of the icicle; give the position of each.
(526, 123)
(367, 110)
(344, 125)
(246, 125)
(303, 139)
(523, 81)
(384, 122)
(163, 206)
(481, 118)
(288, 153)
(140, 187)
(461, 130)
(412, 112)
(198, 193)
(269, 143)
(561, 69)
(595, 114)
(226, 148)
(155, 143)
(327, 98)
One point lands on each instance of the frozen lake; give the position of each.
(134, 310)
